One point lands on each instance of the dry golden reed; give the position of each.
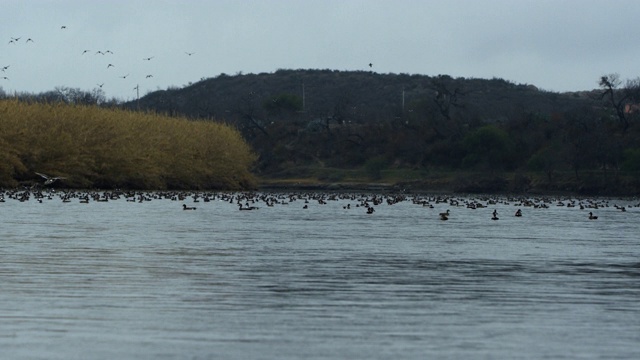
(108, 148)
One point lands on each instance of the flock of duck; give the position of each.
(103, 54)
(252, 201)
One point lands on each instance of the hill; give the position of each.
(359, 95)
(327, 120)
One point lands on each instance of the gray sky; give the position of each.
(555, 45)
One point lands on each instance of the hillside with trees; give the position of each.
(432, 132)
(484, 134)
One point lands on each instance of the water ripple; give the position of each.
(147, 281)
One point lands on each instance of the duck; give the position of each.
(50, 179)
(519, 213)
(592, 217)
(444, 215)
(495, 215)
(185, 207)
(621, 208)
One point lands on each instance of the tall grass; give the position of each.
(107, 148)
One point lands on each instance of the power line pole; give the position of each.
(137, 89)
(303, 98)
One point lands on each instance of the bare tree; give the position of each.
(247, 109)
(622, 100)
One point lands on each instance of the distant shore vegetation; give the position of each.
(94, 147)
(313, 128)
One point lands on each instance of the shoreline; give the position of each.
(423, 187)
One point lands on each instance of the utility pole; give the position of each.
(137, 89)
(303, 98)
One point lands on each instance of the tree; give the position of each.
(248, 110)
(547, 159)
(623, 101)
(488, 147)
(446, 98)
(631, 160)
(284, 103)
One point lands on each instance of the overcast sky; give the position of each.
(555, 45)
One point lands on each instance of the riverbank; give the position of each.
(516, 183)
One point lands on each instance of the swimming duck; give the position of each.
(592, 217)
(185, 207)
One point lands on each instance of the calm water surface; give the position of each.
(147, 280)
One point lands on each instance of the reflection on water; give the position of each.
(145, 279)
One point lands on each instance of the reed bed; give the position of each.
(94, 147)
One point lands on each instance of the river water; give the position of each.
(145, 279)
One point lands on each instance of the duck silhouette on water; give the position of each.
(247, 207)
